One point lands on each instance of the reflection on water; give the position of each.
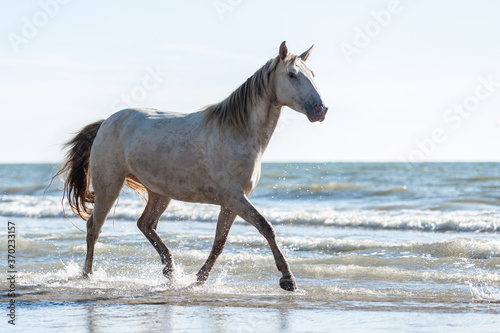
(205, 318)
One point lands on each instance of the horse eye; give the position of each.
(292, 75)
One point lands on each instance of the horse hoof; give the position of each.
(168, 272)
(288, 284)
(86, 275)
(193, 285)
(201, 277)
(198, 283)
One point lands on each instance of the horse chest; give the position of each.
(247, 175)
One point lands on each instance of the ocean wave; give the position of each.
(331, 186)
(300, 214)
(347, 258)
(483, 292)
(495, 202)
(308, 190)
(394, 190)
(398, 275)
(31, 206)
(27, 189)
(234, 269)
(456, 248)
(483, 179)
(333, 189)
(418, 220)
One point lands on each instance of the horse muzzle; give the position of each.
(318, 113)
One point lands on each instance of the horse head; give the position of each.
(295, 86)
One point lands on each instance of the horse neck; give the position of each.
(263, 118)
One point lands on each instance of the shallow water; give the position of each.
(386, 247)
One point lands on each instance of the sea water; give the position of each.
(373, 246)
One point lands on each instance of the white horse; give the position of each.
(212, 156)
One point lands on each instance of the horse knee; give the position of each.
(266, 228)
(92, 236)
(90, 222)
(145, 227)
(141, 225)
(93, 232)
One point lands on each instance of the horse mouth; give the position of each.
(316, 115)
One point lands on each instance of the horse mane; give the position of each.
(233, 112)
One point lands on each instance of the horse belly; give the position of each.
(183, 185)
(173, 171)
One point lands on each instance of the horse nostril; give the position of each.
(319, 108)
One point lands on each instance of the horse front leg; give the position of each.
(148, 222)
(224, 223)
(244, 208)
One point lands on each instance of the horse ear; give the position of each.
(283, 50)
(306, 54)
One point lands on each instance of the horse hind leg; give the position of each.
(224, 223)
(105, 197)
(91, 240)
(148, 222)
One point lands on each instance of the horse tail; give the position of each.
(77, 169)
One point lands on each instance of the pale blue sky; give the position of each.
(394, 98)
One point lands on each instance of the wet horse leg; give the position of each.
(104, 199)
(244, 208)
(148, 222)
(93, 231)
(224, 223)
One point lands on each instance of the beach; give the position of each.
(373, 247)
